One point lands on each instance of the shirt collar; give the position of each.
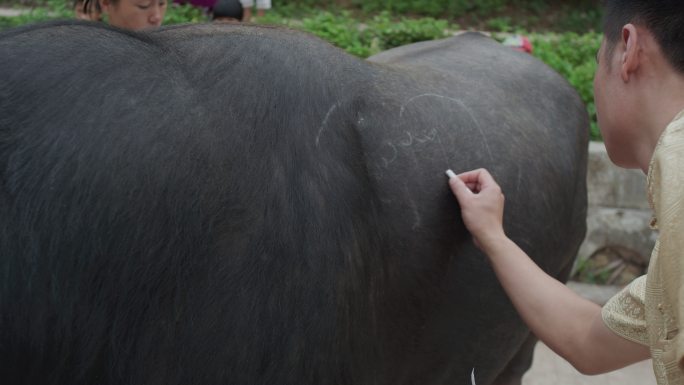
(650, 183)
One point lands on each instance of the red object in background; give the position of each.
(518, 42)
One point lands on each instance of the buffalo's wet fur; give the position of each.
(235, 204)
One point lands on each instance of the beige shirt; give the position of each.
(650, 310)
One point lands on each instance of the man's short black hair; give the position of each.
(664, 18)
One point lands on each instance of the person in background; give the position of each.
(261, 6)
(639, 93)
(227, 10)
(81, 13)
(130, 14)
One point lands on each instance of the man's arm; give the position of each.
(570, 325)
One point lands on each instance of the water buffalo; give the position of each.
(225, 204)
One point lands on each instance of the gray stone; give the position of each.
(628, 228)
(618, 212)
(612, 186)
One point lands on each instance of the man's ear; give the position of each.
(629, 62)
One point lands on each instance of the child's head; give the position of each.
(663, 18)
(87, 13)
(131, 14)
(227, 10)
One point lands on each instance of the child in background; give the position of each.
(261, 6)
(129, 14)
(227, 10)
(80, 11)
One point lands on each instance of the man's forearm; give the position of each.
(569, 324)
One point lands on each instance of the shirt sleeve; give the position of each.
(624, 314)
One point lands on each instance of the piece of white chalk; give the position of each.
(450, 174)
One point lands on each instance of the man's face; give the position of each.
(612, 110)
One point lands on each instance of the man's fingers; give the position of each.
(475, 180)
(457, 186)
(478, 180)
(485, 179)
(470, 177)
(472, 184)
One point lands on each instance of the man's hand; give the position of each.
(482, 205)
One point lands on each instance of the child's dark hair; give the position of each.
(227, 9)
(89, 5)
(664, 18)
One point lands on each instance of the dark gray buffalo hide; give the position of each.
(243, 205)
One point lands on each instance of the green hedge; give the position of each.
(574, 57)
(53, 9)
(366, 37)
(533, 15)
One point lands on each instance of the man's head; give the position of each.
(639, 81)
(663, 18)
